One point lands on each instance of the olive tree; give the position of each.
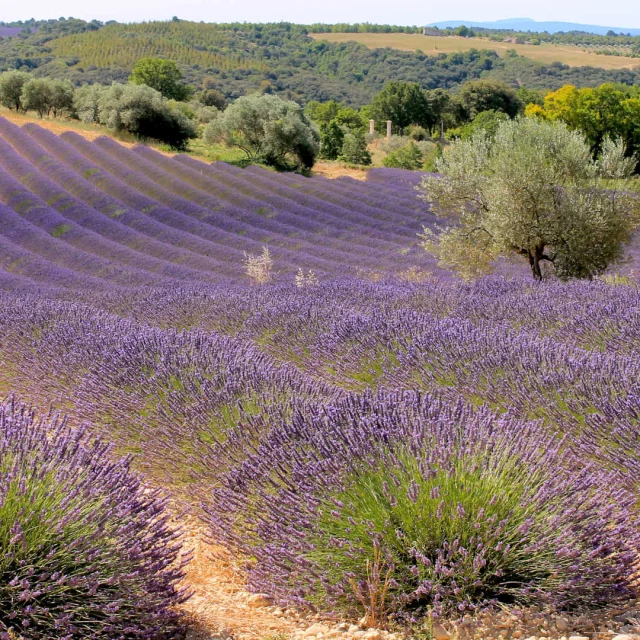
(269, 129)
(532, 190)
(11, 86)
(138, 109)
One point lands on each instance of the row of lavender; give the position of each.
(416, 449)
(496, 461)
(82, 213)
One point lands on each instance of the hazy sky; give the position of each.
(613, 13)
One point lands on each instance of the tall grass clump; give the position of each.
(407, 507)
(85, 550)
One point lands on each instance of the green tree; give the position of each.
(488, 95)
(269, 129)
(86, 102)
(354, 149)
(609, 110)
(62, 93)
(403, 103)
(533, 190)
(322, 112)
(487, 121)
(161, 75)
(37, 95)
(530, 96)
(212, 98)
(439, 107)
(331, 140)
(144, 112)
(407, 157)
(11, 86)
(351, 119)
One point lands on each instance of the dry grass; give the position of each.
(337, 170)
(572, 55)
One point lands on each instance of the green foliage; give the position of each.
(403, 103)
(432, 158)
(354, 149)
(488, 95)
(37, 95)
(137, 109)
(487, 121)
(161, 75)
(277, 58)
(530, 96)
(407, 157)
(11, 86)
(607, 111)
(86, 102)
(60, 230)
(428, 513)
(535, 191)
(47, 97)
(417, 133)
(269, 129)
(322, 112)
(331, 140)
(212, 98)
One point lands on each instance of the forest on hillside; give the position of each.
(277, 58)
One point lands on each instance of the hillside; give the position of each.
(205, 217)
(285, 59)
(573, 56)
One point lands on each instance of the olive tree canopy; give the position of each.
(269, 129)
(532, 190)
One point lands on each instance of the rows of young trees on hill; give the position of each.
(275, 58)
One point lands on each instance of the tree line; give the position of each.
(157, 103)
(280, 59)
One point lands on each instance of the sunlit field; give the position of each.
(432, 45)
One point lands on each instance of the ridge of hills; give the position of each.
(527, 24)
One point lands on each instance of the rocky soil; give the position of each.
(221, 609)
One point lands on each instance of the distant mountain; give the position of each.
(526, 24)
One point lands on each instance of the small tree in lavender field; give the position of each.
(532, 190)
(259, 268)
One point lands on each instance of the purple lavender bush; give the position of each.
(404, 505)
(85, 550)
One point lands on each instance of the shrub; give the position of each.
(85, 549)
(354, 149)
(144, 112)
(212, 98)
(419, 134)
(269, 129)
(432, 157)
(408, 157)
(437, 508)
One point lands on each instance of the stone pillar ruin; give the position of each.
(372, 126)
(388, 128)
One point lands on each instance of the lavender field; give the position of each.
(383, 440)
